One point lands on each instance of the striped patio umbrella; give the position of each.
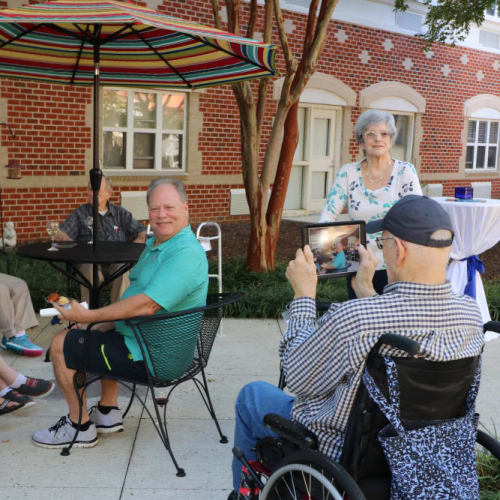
(109, 42)
(61, 41)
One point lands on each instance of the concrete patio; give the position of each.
(133, 464)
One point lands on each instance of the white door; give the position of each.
(312, 169)
(322, 132)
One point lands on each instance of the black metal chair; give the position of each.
(430, 391)
(176, 347)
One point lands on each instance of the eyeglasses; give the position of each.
(379, 242)
(374, 135)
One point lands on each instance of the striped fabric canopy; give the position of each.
(58, 41)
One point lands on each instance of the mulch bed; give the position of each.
(235, 242)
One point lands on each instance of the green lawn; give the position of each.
(266, 294)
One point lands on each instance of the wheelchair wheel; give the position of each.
(309, 475)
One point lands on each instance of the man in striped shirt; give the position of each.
(324, 359)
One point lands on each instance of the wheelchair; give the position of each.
(291, 467)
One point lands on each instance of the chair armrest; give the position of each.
(291, 431)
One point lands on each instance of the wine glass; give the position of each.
(53, 229)
(90, 224)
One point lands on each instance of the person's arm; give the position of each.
(138, 305)
(339, 262)
(409, 182)
(69, 229)
(140, 238)
(62, 236)
(134, 230)
(337, 197)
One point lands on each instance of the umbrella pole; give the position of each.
(95, 181)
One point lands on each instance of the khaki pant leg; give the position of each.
(86, 270)
(16, 310)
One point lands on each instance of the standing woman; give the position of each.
(370, 187)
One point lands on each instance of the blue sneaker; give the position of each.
(21, 345)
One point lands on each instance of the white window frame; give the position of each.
(487, 145)
(129, 130)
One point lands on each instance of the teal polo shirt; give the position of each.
(173, 274)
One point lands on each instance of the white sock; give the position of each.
(20, 334)
(20, 379)
(4, 391)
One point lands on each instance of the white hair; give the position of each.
(372, 117)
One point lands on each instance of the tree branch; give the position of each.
(308, 37)
(215, 9)
(233, 16)
(290, 61)
(307, 68)
(253, 18)
(264, 82)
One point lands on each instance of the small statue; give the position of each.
(9, 238)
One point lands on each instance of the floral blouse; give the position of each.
(365, 204)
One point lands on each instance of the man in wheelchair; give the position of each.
(323, 359)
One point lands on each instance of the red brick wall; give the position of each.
(52, 136)
(50, 127)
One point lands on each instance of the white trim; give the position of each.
(392, 89)
(481, 101)
(339, 91)
(486, 114)
(394, 104)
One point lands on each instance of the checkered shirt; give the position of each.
(117, 224)
(324, 359)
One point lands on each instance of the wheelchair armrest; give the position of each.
(493, 326)
(289, 430)
(489, 442)
(399, 342)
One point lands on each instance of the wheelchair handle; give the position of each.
(493, 326)
(399, 342)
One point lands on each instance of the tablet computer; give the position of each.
(334, 246)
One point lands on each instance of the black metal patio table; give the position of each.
(67, 258)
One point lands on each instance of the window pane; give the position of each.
(493, 132)
(144, 150)
(299, 152)
(114, 104)
(471, 133)
(114, 149)
(173, 111)
(171, 151)
(400, 144)
(480, 155)
(144, 110)
(321, 137)
(469, 158)
(492, 157)
(318, 188)
(481, 138)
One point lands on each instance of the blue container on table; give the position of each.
(463, 193)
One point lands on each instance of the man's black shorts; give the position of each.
(102, 353)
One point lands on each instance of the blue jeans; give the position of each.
(254, 401)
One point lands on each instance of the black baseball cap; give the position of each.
(414, 218)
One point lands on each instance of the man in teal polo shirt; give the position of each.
(171, 275)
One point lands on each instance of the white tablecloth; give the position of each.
(477, 228)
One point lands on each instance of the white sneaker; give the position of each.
(106, 424)
(61, 434)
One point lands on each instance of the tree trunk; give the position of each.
(264, 226)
